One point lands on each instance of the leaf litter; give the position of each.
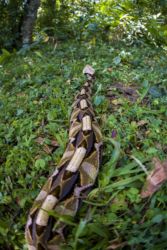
(155, 179)
(129, 92)
(49, 145)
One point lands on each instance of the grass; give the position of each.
(37, 89)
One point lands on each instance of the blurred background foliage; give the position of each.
(129, 20)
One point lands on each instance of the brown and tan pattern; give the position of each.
(72, 179)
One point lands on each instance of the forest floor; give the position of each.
(37, 89)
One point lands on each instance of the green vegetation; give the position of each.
(133, 21)
(37, 90)
(125, 41)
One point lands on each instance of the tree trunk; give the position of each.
(31, 9)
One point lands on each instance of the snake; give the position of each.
(72, 179)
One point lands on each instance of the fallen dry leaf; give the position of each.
(48, 148)
(155, 179)
(129, 92)
(110, 69)
(40, 140)
(21, 94)
(142, 123)
(54, 143)
(116, 244)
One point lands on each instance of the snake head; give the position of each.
(88, 70)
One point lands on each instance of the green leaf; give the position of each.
(122, 183)
(40, 164)
(158, 218)
(155, 92)
(152, 150)
(109, 168)
(19, 112)
(68, 219)
(117, 60)
(52, 115)
(79, 231)
(5, 55)
(38, 53)
(98, 100)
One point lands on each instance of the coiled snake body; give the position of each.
(72, 179)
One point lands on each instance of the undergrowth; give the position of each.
(37, 88)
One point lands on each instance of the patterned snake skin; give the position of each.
(73, 178)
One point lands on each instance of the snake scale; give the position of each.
(73, 178)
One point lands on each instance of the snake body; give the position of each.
(72, 179)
